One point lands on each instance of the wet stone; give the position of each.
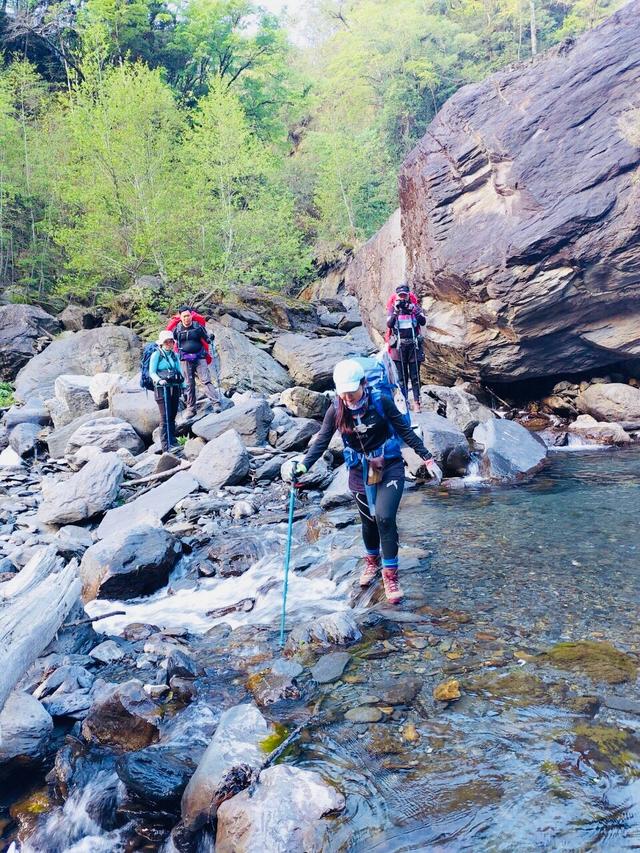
(330, 667)
(620, 703)
(364, 714)
(599, 661)
(399, 691)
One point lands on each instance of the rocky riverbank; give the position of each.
(147, 585)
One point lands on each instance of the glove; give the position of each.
(162, 382)
(291, 470)
(434, 471)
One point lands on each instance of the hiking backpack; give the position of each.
(146, 381)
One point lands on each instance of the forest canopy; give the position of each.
(199, 143)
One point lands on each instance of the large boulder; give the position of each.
(614, 402)
(237, 740)
(591, 430)
(250, 418)
(222, 462)
(283, 813)
(374, 273)
(21, 327)
(151, 507)
(73, 391)
(92, 490)
(58, 439)
(310, 361)
(122, 716)
(107, 434)
(129, 563)
(246, 367)
(338, 492)
(441, 436)
(298, 435)
(138, 408)
(304, 403)
(23, 438)
(34, 412)
(74, 318)
(520, 219)
(25, 731)
(459, 406)
(511, 452)
(108, 348)
(157, 774)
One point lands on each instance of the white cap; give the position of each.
(347, 376)
(164, 336)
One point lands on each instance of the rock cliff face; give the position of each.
(521, 216)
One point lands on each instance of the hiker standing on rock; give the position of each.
(168, 382)
(404, 319)
(370, 426)
(193, 341)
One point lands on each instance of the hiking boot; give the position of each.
(371, 569)
(391, 586)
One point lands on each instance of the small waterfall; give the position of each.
(71, 829)
(473, 469)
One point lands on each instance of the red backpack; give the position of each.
(198, 318)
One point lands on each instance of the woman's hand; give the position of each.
(291, 470)
(434, 470)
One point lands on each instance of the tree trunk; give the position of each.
(33, 606)
(534, 33)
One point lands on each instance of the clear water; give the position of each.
(492, 577)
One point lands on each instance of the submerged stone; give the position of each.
(364, 714)
(600, 661)
(447, 691)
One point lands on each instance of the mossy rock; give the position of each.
(600, 661)
(517, 688)
(607, 748)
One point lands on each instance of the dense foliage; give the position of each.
(194, 141)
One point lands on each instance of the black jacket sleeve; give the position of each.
(204, 334)
(322, 439)
(422, 320)
(403, 429)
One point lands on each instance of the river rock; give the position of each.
(461, 407)
(92, 490)
(513, 235)
(157, 774)
(107, 652)
(73, 392)
(338, 492)
(102, 385)
(602, 433)
(25, 730)
(330, 667)
(109, 348)
(363, 714)
(58, 438)
(65, 693)
(612, 402)
(106, 434)
(320, 476)
(192, 448)
(311, 360)
(33, 412)
(331, 629)
(222, 462)
(250, 418)
(123, 717)
(305, 403)
(511, 452)
(72, 541)
(23, 438)
(128, 563)
(21, 326)
(74, 318)
(269, 470)
(10, 459)
(236, 741)
(297, 438)
(246, 367)
(149, 508)
(441, 436)
(283, 813)
(138, 408)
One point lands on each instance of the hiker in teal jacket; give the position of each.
(168, 382)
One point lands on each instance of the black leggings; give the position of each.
(170, 393)
(409, 369)
(381, 532)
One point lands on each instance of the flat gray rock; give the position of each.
(330, 667)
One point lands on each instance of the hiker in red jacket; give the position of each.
(194, 351)
(404, 320)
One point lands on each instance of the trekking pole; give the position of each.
(166, 415)
(415, 352)
(287, 558)
(214, 362)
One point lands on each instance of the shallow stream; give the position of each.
(535, 755)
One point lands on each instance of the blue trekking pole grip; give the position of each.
(287, 559)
